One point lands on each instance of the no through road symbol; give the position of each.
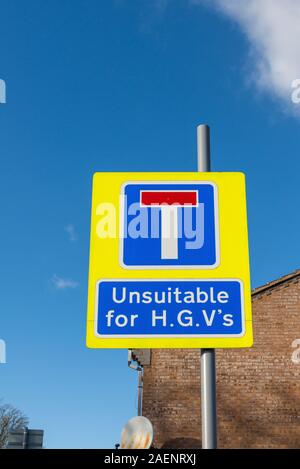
(169, 225)
(169, 202)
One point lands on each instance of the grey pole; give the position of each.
(208, 366)
(140, 391)
(25, 436)
(203, 147)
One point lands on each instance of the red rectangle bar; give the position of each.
(180, 198)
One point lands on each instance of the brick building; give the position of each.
(258, 389)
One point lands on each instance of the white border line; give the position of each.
(177, 336)
(169, 267)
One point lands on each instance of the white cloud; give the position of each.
(70, 229)
(63, 283)
(273, 30)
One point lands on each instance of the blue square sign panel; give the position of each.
(165, 225)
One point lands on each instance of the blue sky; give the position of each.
(121, 86)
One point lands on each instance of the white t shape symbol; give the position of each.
(169, 202)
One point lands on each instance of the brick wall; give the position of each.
(258, 389)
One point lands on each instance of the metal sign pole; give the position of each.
(25, 434)
(140, 391)
(208, 367)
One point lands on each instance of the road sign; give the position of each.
(169, 261)
(171, 211)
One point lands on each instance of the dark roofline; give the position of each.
(277, 283)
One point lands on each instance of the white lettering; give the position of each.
(228, 320)
(169, 296)
(187, 320)
(209, 321)
(222, 297)
(121, 320)
(162, 318)
(109, 316)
